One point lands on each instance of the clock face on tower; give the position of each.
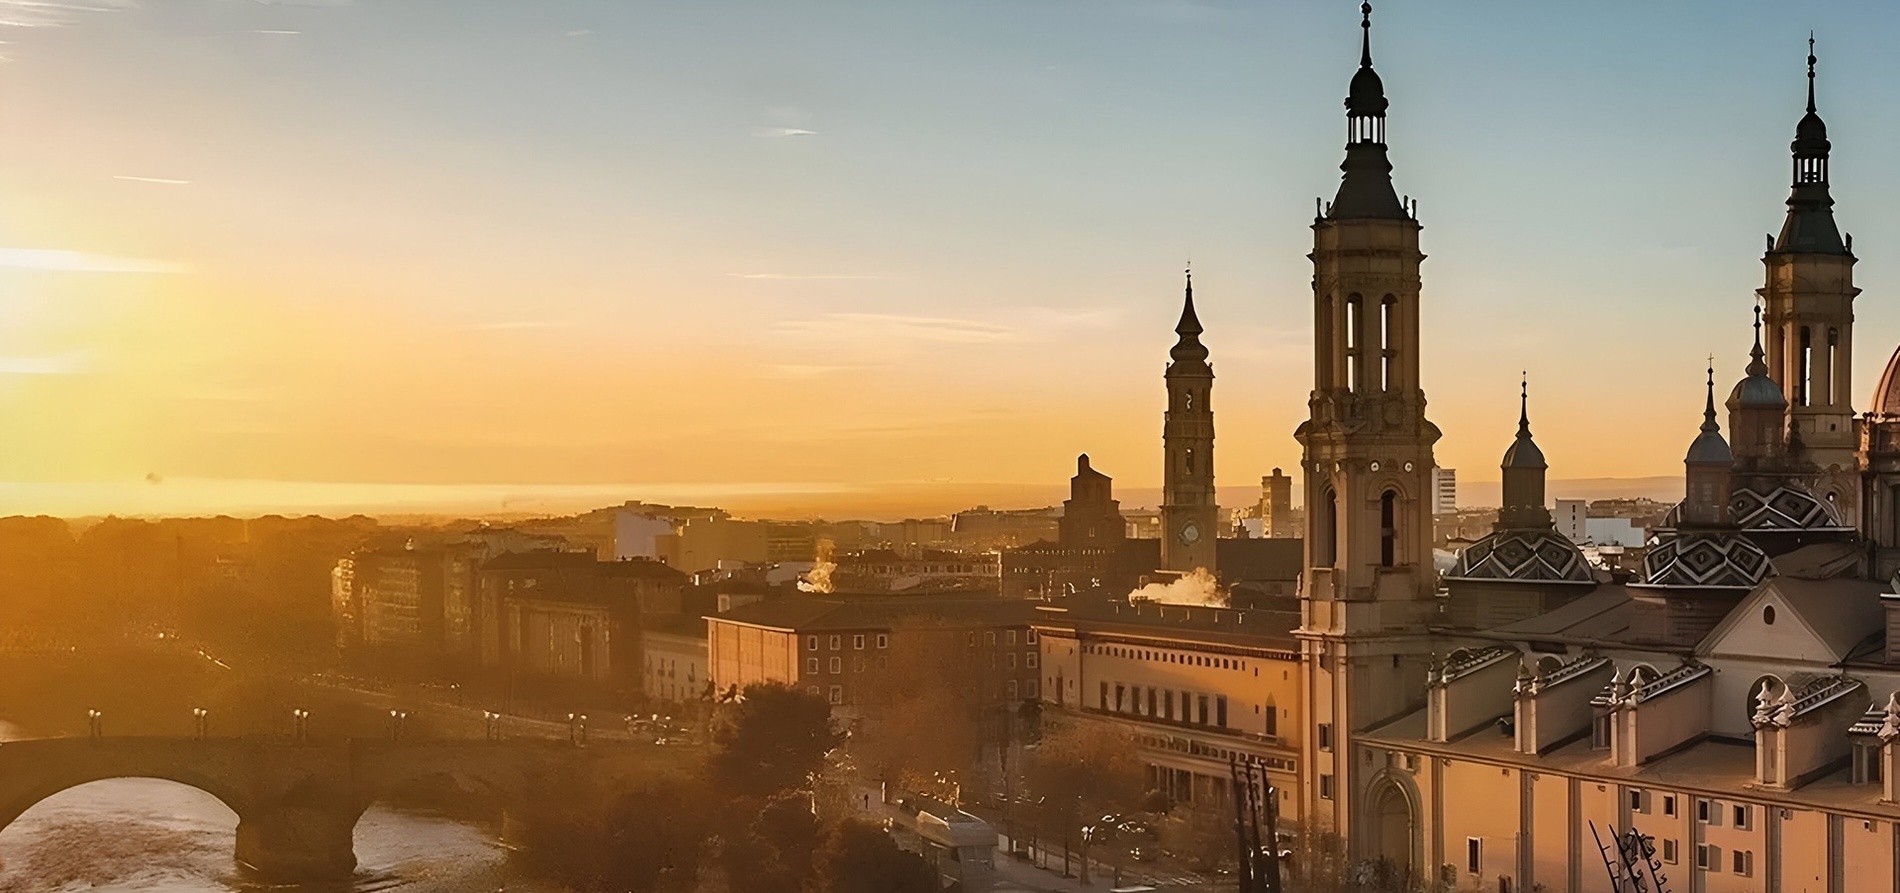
(1190, 532)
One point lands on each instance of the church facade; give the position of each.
(1504, 726)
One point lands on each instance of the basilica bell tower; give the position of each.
(1808, 302)
(1189, 518)
(1369, 580)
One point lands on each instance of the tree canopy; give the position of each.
(771, 738)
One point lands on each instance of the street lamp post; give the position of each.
(493, 721)
(200, 722)
(300, 725)
(95, 724)
(397, 719)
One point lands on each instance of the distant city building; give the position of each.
(1276, 507)
(1444, 491)
(1195, 687)
(674, 655)
(639, 535)
(840, 647)
(986, 528)
(930, 571)
(1571, 517)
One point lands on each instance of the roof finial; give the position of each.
(1708, 409)
(1365, 39)
(1524, 405)
(1811, 61)
(1756, 366)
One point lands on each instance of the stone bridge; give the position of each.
(297, 803)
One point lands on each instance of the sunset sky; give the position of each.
(711, 249)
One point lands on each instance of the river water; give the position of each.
(138, 835)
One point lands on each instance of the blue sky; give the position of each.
(590, 242)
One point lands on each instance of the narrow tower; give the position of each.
(1524, 469)
(1189, 517)
(1367, 463)
(1809, 300)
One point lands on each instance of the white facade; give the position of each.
(637, 535)
(1614, 532)
(1571, 515)
(1444, 491)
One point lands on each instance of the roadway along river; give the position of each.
(137, 835)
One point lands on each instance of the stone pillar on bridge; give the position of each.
(304, 843)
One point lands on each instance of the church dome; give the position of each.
(1524, 556)
(1786, 507)
(1365, 97)
(1810, 137)
(1756, 392)
(1524, 454)
(1705, 561)
(1887, 396)
(1709, 448)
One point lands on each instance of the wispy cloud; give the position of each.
(55, 260)
(54, 13)
(1075, 317)
(307, 2)
(805, 276)
(162, 180)
(875, 327)
(782, 131)
(274, 31)
(807, 370)
(579, 32)
(511, 325)
(70, 364)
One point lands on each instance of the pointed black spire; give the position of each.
(1524, 452)
(1756, 390)
(1524, 405)
(1811, 61)
(1365, 36)
(1366, 190)
(1189, 348)
(1756, 358)
(1709, 447)
(1810, 227)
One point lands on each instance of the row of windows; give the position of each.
(857, 642)
(1740, 816)
(1011, 690)
(1192, 747)
(1168, 657)
(1708, 857)
(1160, 704)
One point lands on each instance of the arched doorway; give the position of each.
(1394, 826)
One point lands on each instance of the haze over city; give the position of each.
(693, 447)
(824, 258)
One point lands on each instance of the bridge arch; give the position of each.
(31, 772)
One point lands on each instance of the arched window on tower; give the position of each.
(1190, 460)
(1353, 321)
(1805, 374)
(1834, 377)
(1187, 401)
(1386, 309)
(1388, 528)
(1326, 531)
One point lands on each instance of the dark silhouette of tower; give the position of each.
(1189, 517)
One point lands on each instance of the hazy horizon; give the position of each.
(881, 501)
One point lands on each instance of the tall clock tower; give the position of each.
(1189, 517)
(1369, 584)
